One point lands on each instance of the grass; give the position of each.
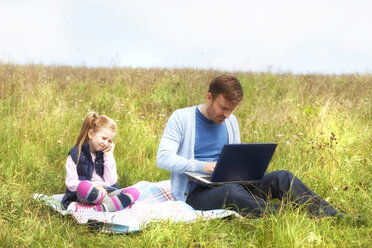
(322, 124)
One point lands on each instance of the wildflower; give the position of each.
(313, 238)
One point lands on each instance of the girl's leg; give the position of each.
(120, 199)
(88, 194)
(89, 198)
(110, 189)
(116, 200)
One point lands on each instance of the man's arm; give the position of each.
(172, 139)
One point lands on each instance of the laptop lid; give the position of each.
(243, 162)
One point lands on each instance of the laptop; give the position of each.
(239, 164)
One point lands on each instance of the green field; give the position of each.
(322, 124)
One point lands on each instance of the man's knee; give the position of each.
(277, 182)
(284, 174)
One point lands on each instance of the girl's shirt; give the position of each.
(110, 175)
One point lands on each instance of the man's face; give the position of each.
(219, 109)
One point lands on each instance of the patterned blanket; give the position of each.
(156, 203)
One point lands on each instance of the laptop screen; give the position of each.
(243, 162)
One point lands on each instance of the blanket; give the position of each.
(156, 203)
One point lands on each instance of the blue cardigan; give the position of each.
(176, 148)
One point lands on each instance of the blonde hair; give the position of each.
(95, 122)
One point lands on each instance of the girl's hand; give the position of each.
(109, 149)
(100, 188)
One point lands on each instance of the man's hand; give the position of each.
(209, 166)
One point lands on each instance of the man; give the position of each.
(192, 141)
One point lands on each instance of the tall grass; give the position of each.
(322, 124)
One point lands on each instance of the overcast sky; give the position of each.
(298, 36)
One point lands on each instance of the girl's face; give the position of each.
(100, 139)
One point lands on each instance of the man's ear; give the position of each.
(90, 133)
(209, 98)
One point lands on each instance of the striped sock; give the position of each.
(120, 201)
(89, 194)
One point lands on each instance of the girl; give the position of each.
(91, 170)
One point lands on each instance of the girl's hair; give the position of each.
(95, 122)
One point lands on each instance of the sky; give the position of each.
(296, 36)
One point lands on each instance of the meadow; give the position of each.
(322, 124)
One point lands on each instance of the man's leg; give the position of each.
(284, 185)
(232, 196)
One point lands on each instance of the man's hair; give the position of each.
(228, 86)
